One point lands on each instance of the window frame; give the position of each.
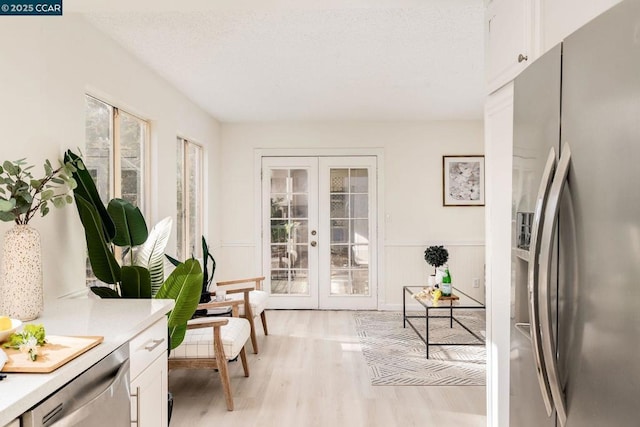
(183, 225)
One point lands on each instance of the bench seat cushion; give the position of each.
(198, 343)
(258, 300)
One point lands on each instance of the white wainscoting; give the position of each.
(236, 260)
(405, 265)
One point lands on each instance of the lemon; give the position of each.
(5, 323)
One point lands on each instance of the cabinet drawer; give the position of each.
(147, 346)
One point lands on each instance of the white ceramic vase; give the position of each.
(21, 296)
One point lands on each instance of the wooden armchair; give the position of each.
(210, 342)
(255, 300)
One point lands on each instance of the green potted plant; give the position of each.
(436, 256)
(208, 265)
(21, 198)
(120, 224)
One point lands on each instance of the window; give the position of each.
(116, 147)
(189, 197)
(115, 154)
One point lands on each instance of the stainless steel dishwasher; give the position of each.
(99, 397)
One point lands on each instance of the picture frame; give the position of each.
(463, 180)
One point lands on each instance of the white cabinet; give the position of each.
(498, 126)
(149, 390)
(14, 423)
(559, 18)
(510, 39)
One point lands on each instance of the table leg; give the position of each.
(426, 344)
(404, 307)
(451, 314)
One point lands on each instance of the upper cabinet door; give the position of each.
(509, 35)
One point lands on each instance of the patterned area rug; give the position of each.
(396, 355)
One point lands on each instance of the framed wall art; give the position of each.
(463, 180)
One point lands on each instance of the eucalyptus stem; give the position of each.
(34, 194)
(22, 196)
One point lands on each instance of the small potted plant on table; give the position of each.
(436, 256)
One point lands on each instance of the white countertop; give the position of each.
(118, 320)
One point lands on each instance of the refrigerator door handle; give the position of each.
(532, 279)
(546, 245)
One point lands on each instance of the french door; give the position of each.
(319, 232)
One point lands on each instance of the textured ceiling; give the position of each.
(417, 62)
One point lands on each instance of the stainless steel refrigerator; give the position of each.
(575, 291)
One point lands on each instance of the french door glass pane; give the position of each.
(339, 207)
(349, 212)
(339, 180)
(359, 181)
(289, 231)
(300, 181)
(300, 206)
(279, 181)
(359, 205)
(339, 231)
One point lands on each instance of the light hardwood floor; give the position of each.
(311, 373)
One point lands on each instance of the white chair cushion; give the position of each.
(198, 343)
(257, 299)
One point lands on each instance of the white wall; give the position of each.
(47, 64)
(413, 216)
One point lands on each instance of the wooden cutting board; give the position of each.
(56, 352)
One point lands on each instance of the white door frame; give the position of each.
(259, 153)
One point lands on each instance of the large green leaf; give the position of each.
(87, 190)
(131, 228)
(151, 253)
(183, 285)
(136, 282)
(172, 260)
(104, 292)
(206, 256)
(176, 335)
(103, 263)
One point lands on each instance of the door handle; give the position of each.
(549, 228)
(156, 343)
(532, 279)
(117, 389)
(314, 243)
